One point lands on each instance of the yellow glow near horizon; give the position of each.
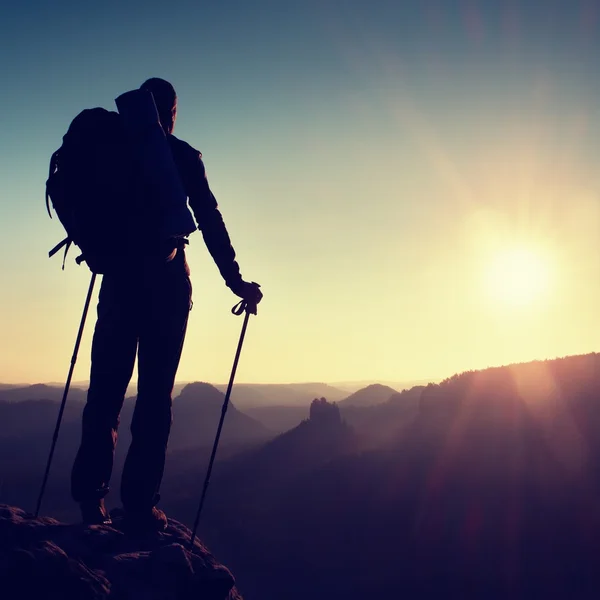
(518, 277)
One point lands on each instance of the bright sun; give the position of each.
(518, 277)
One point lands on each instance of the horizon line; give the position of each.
(180, 382)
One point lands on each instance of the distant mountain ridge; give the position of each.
(9, 386)
(254, 395)
(196, 414)
(197, 406)
(37, 391)
(369, 396)
(375, 411)
(354, 386)
(244, 395)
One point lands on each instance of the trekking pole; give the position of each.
(66, 392)
(248, 308)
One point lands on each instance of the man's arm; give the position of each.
(206, 212)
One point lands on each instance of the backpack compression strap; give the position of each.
(67, 244)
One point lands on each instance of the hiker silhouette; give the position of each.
(143, 309)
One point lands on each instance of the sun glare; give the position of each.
(518, 277)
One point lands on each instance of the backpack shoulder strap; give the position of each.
(51, 171)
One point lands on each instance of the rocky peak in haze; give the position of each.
(43, 559)
(325, 413)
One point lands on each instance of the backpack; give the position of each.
(94, 187)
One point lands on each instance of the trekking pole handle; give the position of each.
(241, 307)
(245, 305)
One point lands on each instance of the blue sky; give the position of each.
(373, 162)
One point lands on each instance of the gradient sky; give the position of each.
(373, 162)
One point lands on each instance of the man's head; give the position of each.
(165, 99)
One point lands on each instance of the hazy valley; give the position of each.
(484, 485)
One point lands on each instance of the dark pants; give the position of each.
(144, 311)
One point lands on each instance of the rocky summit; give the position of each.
(44, 559)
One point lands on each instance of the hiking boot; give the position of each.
(151, 520)
(93, 512)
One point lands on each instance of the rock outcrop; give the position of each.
(323, 412)
(43, 559)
